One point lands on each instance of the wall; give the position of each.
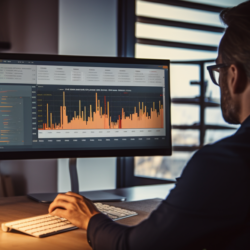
(88, 27)
(84, 27)
(31, 176)
(93, 174)
(31, 27)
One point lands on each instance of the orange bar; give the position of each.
(139, 110)
(99, 105)
(108, 111)
(80, 109)
(47, 115)
(96, 108)
(105, 105)
(61, 117)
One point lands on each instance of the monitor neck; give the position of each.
(73, 175)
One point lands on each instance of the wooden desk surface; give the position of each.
(20, 207)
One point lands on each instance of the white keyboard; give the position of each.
(46, 225)
(114, 213)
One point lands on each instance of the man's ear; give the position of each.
(237, 79)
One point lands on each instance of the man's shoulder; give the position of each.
(227, 157)
(232, 146)
(214, 173)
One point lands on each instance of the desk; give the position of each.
(19, 207)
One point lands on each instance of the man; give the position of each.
(210, 206)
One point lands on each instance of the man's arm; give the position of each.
(203, 206)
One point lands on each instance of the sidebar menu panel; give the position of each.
(14, 114)
(17, 86)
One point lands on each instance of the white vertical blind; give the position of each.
(169, 12)
(221, 3)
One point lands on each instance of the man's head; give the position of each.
(234, 51)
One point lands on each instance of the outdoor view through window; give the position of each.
(153, 41)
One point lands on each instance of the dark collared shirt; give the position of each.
(208, 209)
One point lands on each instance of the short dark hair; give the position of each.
(235, 44)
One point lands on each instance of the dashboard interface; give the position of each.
(58, 105)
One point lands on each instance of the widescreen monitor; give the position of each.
(73, 106)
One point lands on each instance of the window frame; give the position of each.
(126, 48)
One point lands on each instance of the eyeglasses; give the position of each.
(215, 72)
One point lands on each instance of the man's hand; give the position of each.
(73, 207)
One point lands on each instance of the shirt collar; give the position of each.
(244, 124)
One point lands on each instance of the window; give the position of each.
(183, 31)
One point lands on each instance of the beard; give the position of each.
(230, 110)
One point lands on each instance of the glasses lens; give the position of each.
(216, 76)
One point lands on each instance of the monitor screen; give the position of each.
(74, 106)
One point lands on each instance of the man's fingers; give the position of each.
(60, 197)
(78, 196)
(60, 213)
(58, 204)
(67, 198)
(74, 195)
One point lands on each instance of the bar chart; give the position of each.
(100, 110)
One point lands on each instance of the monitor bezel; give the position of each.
(14, 155)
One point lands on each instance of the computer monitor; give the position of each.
(74, 106)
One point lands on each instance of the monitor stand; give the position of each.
(91, 195)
